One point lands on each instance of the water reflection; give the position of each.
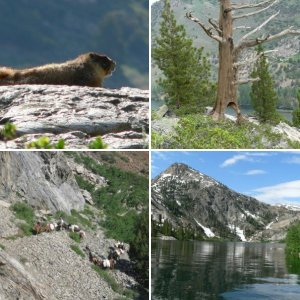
(211, 270)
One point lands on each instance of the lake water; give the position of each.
(221, 270)
(287, 114)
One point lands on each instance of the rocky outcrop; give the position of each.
(42, 179)
(76, 114)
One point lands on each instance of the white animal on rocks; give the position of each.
(74, 228)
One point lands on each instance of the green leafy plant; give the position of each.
(74, 236)
(97, 144)
(77, 250)
(44, 143)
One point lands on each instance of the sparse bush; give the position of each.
(44, 143)
(97, 144)
(25, 213)
(77, 250)
(2, 247)
(74, 236)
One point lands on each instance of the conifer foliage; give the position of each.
(263, 95)
(296, 112)
(186, 69)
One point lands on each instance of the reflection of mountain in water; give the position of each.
(204, 270)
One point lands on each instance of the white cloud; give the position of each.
(255, 172)
(245, 156)
(287, 192)
(233, 160)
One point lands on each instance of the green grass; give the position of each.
(74, 236)
(104, 274)
(202, 132)
(77, 250)
(25, 213)
(2, 247)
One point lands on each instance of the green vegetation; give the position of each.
(2, 247)
(97, 144)
(186, 70)
(74, 236)
(263, 95)
(44, 143)
(8, 132)
(25, 213)
(139, 247)
(113, 284)
(201, 132)
(296, 112)
(77, 250)
(293, 241)
(124, 201)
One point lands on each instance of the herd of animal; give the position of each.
(112, 258)
(40, 227)
(109, 262)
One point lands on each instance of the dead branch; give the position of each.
(216, 26)
(207, 30)
(249, 61)
(242, 27)
(260, 26)
(254, 12)
(268, 38)
(246, 80)
(249, 5)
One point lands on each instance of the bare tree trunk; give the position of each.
(227, 91)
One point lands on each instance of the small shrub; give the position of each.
(26, 229)
(77, 250)
(97, 144)
(74, 236)
(24, 212)
(2, 247)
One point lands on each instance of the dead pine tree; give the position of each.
(229, 51)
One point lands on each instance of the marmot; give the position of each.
(86, 70)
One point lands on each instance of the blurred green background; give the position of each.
(35, 32)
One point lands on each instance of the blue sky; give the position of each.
(270, 176)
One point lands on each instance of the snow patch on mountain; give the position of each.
(238, 232)
(207, 231)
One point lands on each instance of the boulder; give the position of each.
(76, 114)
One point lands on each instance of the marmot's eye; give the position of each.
(105, 64)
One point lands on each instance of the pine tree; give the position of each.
(186, 70)
(296, 112)
(263, 95)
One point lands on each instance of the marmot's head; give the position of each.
(107, 64)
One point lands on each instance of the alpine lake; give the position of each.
(222, 270)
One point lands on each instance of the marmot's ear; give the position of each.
(92, 55)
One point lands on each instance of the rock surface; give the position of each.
(42, 179)
(76, 114)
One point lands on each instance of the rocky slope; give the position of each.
(76, 114)
(189, 199)
(45, 266)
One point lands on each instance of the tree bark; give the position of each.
(227, 76)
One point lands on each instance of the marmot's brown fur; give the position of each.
(86, 70)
